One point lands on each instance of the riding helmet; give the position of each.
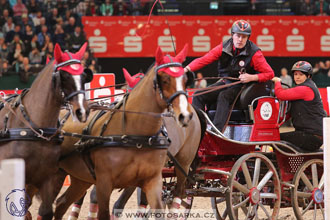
(303, 66)
(241, 27)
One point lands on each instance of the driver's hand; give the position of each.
(245, 78)
(276, 79)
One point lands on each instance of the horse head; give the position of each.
(70, 76)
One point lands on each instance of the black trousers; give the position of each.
(305, 141)
(223, 99)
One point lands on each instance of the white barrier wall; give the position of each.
(326, 159)
(12, 183)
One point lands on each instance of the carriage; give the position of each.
(248, 169)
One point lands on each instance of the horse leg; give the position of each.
(122, 200)
(76, 208)
(103, 192)
(48, 192)
(75, 191)
(153, 190)
(93, 207)
(30, 191)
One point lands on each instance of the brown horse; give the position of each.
(29, 121)
(120, 167)
(183, 146)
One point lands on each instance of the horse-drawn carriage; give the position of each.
(249, 169)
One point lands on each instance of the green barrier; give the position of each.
(10, 82)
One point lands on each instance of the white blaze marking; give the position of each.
(183, 102)
(77, 81)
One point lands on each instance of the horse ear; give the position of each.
(159, 56)
(129, 79)
(58, 53)
(181, 57)
(81, 52)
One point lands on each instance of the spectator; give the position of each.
(200, 82)
(327, 67)
(76, 39)
(36, 19)
(19, 9)
(120, 8)
(322, 8)
(285, 78)
(16, 48)
(59, 36)
(4, 5)
(8, 26)
(33, 43)
(136, 7)
(24, 70)
(33, 6)
(88, 60)
(38, 28)
(25, 20)
(70, 27)
(52, 20)
(106, 8)
(4, 17)
(92, 9)
(42, 35)
(307, 7)
(35, 56)
(47, 50)
(81, 8)
(4, 67)
(17, 31)
(4, 52)
(27, 36)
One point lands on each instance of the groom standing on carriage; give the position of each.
(238, 57)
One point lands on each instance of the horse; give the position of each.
(184, 144)
(28, 124)
(127, 149)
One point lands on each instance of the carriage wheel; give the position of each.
(219, 203)
(307, 196)
(254, 189)
(168, 188)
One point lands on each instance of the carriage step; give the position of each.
(207, 192)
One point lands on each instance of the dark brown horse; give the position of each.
(120, 167)
(29, 122)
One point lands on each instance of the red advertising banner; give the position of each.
(130, 36)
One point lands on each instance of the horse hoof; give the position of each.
(28, 216)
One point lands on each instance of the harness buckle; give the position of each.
(124, 139)
(139, 145)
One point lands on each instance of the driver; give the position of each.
(306, 108)
(237, 57)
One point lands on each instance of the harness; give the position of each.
(88, 142)
(32, 132)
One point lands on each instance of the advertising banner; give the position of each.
(132, 36)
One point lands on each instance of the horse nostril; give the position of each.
(78, 114)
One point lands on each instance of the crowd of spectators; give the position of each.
(30, 29)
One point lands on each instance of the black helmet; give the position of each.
(241, 27)
(303, 66)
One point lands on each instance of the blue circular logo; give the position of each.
(17, 202)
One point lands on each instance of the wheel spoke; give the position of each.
(322, 211)
(306, 181)
(247, 175)
(265, 211)
(315, 211)
(248, 212)
(256, 172)
(304, 194)
(240, 187)
(265, 179)
(314, 175)
(321, 183)
(268, 196)
(307, 208)
(239, 205)
(224, 214)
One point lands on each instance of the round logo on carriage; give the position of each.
(241, 63)
(17, 202)
(266, 111)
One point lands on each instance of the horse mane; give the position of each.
(48, 68)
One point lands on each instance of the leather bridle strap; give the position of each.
(69, 97)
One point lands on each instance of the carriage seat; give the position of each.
(240, 113)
